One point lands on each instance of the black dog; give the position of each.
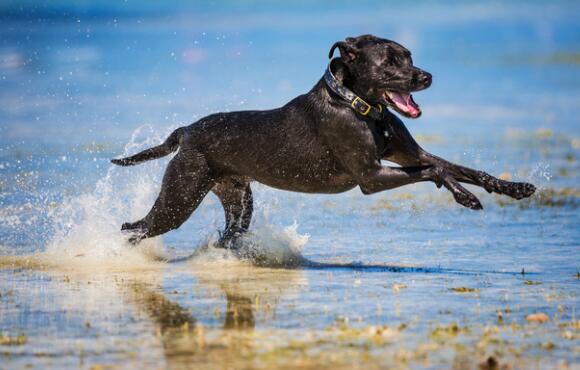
(328, 140)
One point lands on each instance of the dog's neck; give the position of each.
(335, 77)
(341, 73)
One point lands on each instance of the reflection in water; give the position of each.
(77, 316)
(239, 312)
(167, 314)
(182, 329)
(252, 293)
(175, 326)
(249, 291)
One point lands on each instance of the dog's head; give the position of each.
(382, 71)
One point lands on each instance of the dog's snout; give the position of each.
(425, 79)
(421, 79)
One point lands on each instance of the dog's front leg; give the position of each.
(355, 148)
(404, 150)
(384, 178)
(517, 190)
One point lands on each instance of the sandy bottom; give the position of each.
(213, 310)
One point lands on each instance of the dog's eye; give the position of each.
(393, 62)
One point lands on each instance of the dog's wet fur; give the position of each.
(316, 143)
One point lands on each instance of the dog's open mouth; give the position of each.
(403, 103)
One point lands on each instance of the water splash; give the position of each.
(541, 172)
(87, 226)
(265, 245)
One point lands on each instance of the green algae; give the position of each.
(18, 340)
(463, 290)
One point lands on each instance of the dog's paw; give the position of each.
(231, 239)
(138, 226)
(526, 190)
(468, 200)
(460, 194)
(519, 190)
(128, 226)
(122, 162)
(135, 230)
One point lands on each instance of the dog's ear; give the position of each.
(347, 51)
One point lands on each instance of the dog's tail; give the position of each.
(169, 146)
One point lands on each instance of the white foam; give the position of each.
(265, 245)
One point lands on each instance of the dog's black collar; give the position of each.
(356, 102)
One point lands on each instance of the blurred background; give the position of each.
(92, 71)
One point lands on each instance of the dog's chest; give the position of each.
(381, 137)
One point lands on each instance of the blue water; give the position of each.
(82, 83)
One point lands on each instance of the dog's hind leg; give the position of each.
(185, 183)
(236, 198)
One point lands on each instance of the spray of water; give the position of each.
(266, 245)
(87, 226)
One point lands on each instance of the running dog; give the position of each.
(329, 140)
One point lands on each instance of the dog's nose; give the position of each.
(425, 78)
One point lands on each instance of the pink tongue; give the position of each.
(405, 103)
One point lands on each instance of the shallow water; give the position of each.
(405, 278)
